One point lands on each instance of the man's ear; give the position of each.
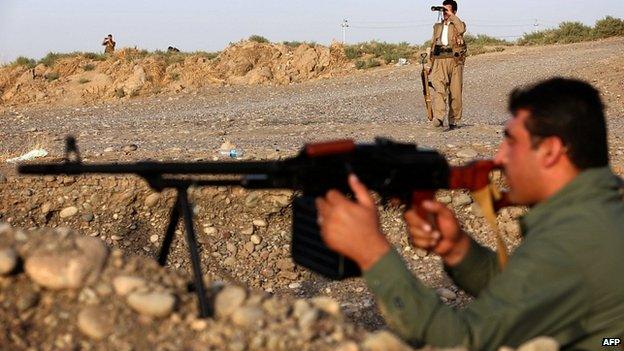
(551, 151)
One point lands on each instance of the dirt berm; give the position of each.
(128, 73)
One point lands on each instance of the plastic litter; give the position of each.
(402, 62)
(232, 153)
(30, 155)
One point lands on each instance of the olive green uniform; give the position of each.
(447, 70)
(566, 279)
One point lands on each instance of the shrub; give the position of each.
(368, 63)
(294, 44)
(95, 56)
(483, 39)
(175, 76)
(49, 59)
(567, 32)
(609, 27)
(386, 51)
(258, 39)
(83, 81)
(52, 76)
(25, 61)
(89, 67)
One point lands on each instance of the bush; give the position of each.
(89, 67)
(483, 39)
(386, 51)
(83, 81)
(258, 39)
(49, 59)
(294, 44)
(609, 27)
(95, 56)
(368, 63)
(25, 61)
(175, 76)
(567, 32)
(52, 76)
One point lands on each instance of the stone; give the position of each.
(384, 341)
(228, 300)
(256, 239)
(327, 305)
(94, 322)
(152, 199)
(467, 152)
(252, 199)
(153, 238)
(247, 316)
(210, 230)
(68, 212)
(462, 200)
(446, 293)
(155, 304)
(130, 147)
(87, 217)
(27, 299)
(46, 208)
(348, 346)
(8, 260)
(308, 318)
(420, 253)
(445, 199)
(125, 284)
(68, 269)
(259, 223)
(248, 231)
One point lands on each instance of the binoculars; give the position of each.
(438, 8)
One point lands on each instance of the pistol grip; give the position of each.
(417, 199)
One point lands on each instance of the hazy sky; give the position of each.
(35, 27)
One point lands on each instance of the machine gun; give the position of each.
(393, 170)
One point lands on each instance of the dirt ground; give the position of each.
(245, 234)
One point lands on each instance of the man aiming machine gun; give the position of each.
(391, 169)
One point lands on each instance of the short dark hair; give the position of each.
(570, 109)
(110, 35)
(453, 4)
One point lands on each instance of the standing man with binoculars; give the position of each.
(446, 65)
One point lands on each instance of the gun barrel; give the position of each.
(148, 167)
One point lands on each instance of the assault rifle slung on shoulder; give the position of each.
(393, 170)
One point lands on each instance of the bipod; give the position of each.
(182, 205)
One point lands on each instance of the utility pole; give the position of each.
(344, 25)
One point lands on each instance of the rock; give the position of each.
(420, 253)
(94, 322)
(156, 304)
(46, 208)
(252, 199)
(8, 260)
(248, 231)
(247, 316)
(153, 238)
(384, 341)
(256, 239)
(87, 217)
(542, 343)
(308, 318)
(129, 148)
(228, 300)
(294, 285)
(68, 212)
(259, 223)
(462, 200)
(467, 152)
(327, 305)
(300, 307)
(445, 199)
(446, 293)
(125, 284)
(348, 346)
(152, 199)
(210, 230)
(2, 178)
(68, 269)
